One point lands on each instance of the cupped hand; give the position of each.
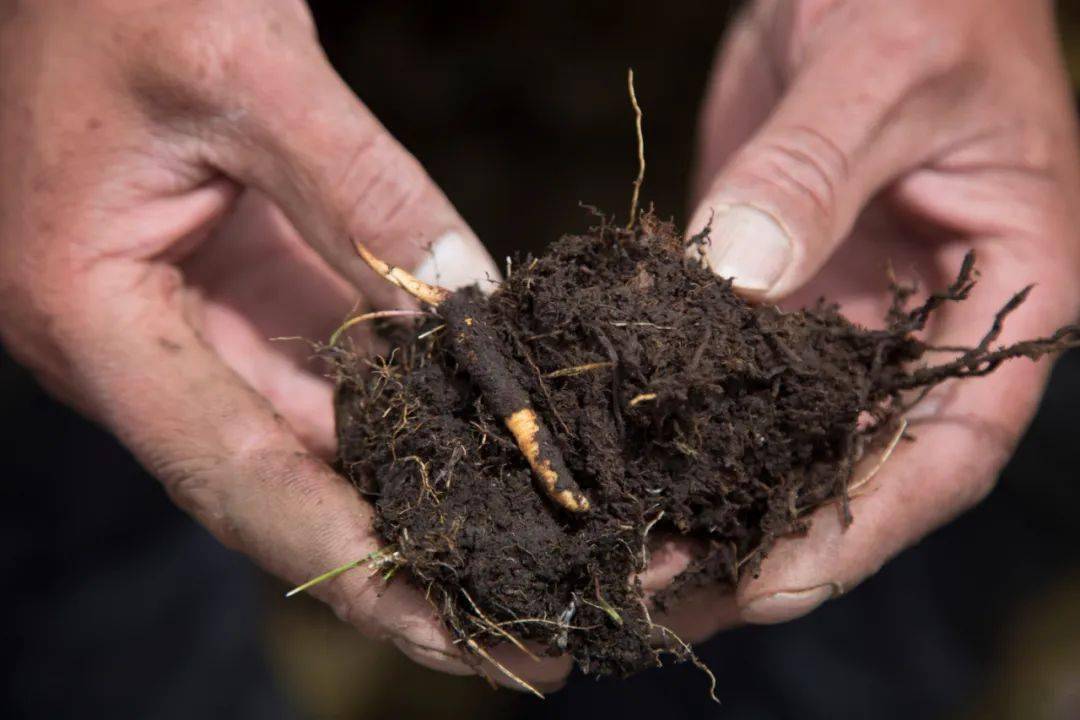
(181, 181)
(841, 136)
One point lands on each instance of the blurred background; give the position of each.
(117, 605)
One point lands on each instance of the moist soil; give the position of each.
(673, 405)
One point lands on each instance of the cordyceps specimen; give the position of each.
(522, 448)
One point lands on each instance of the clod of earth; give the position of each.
(522, 449)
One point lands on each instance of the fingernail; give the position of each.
(782, 606)
(750, 246)
(455, 260)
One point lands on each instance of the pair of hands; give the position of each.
(181, 180)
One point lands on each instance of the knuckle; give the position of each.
(936, 56)
(378, 183)
(212, 70)
(293, 474)
(909, 44)
(915, 38)
(804, 165)
(188, 481)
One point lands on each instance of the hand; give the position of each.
(838, 136)
(157, 158)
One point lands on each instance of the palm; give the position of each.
(260, 281)
(964, 431)
(997, 189)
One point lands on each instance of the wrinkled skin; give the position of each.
(873, 132)
(180, 180)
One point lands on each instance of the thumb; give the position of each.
(785, 201)
(307, 142)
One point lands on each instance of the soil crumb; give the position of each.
(674, 406)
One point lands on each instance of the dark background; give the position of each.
(116, 605)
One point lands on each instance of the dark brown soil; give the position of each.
(674, 405)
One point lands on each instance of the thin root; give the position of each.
(430, 294)
(640, 149)
(371, 316)
(693, 658)
(488, 623)
(881, 460)
(505, 670)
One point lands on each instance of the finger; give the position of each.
(789, 196)
(259, 281)
(964, 433)
(694, 613)
(743, 88)
(310, 145)
(256, 264)
(217, 446)
(667, 558)
(226, 457)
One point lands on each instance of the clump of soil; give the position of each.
(673, 406)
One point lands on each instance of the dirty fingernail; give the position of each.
(750, 246)
(782, 606)
(456, 260)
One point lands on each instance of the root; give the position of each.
(707, 401)
(538, 448)
(691, 656)
(430, 294)
(981, 360)
(881, 459)
(486, 622)
(687, 650)
(640, 150)
(476, 348)
(356, 320)
(472, 644)
(425, 482)
(905, 322)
